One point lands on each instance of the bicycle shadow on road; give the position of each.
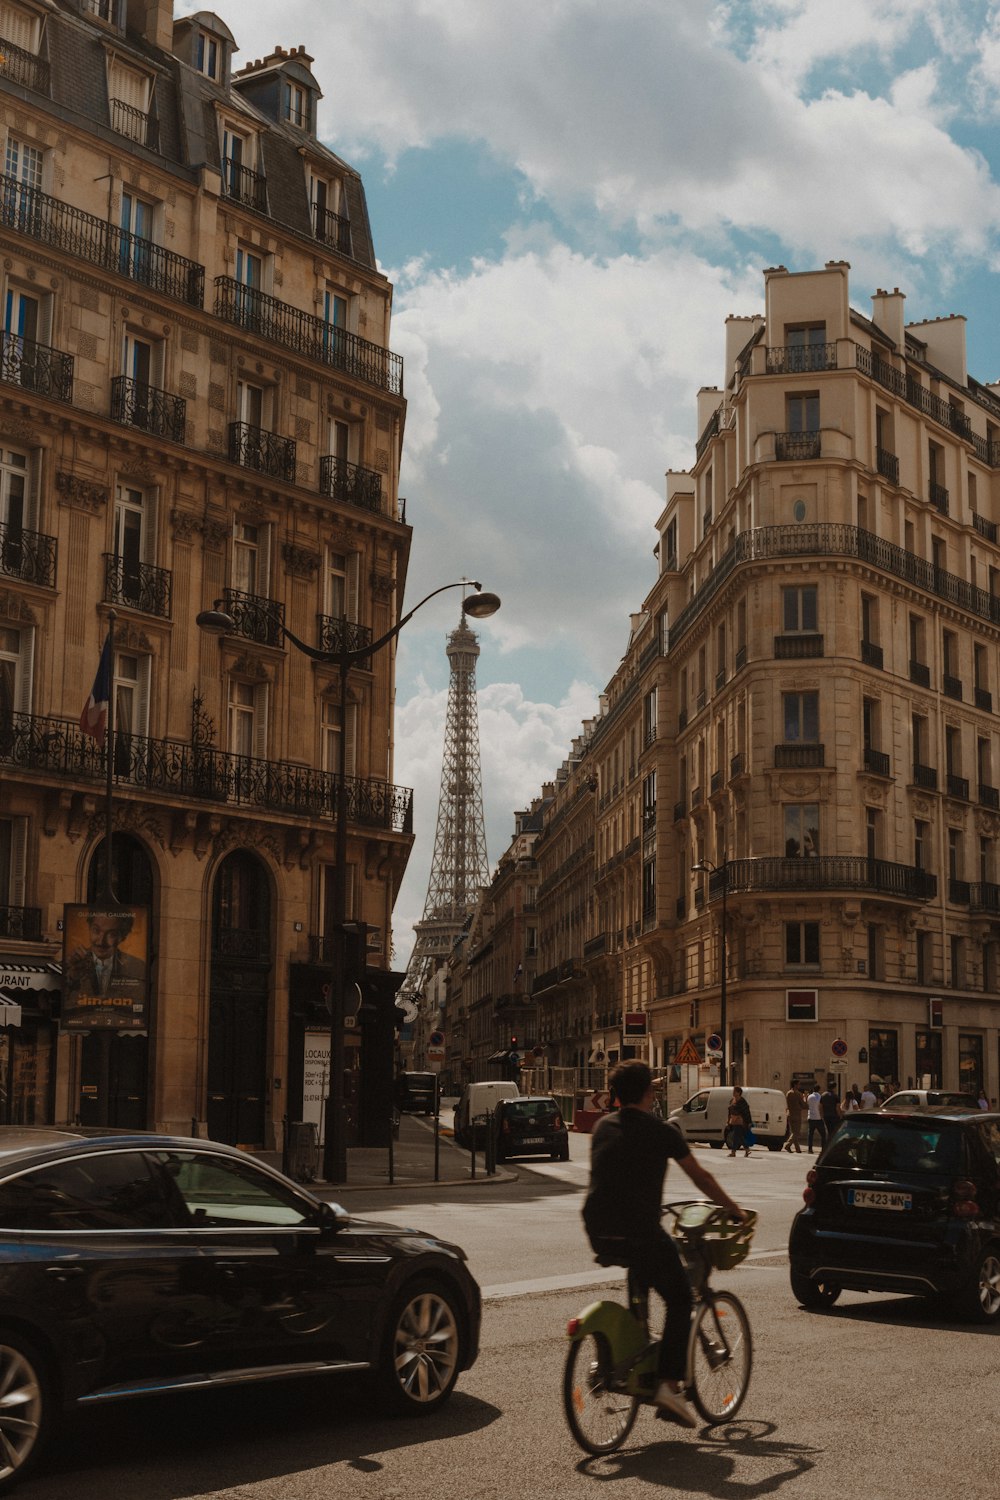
(217, 1441)
(705, 1463)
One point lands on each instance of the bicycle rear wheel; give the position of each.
(599, 1418)
(722, 1357)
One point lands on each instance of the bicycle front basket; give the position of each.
(725, 1245)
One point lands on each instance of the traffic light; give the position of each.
(513, 1044)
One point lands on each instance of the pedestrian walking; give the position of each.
(852, 1100)
(868, 1098)
(830, 1109)
(795, 1107)
(814, 1115)
(739, 1123)
(984, 1103)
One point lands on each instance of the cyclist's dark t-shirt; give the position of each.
(629, 1153)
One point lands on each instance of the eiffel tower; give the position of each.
(459, 868)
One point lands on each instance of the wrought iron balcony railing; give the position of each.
(738, 765)
(24, 67)
(267, 452)
(139, 585)
(27, 555)
(152, 410)
(256, 618)
(794, 446)
(796, 647)
(989, 796)
(36, 367)
(920, 673)
(983, 699)
(135, 124)
(339, 634)
(58, 747)
(350, 483)
(958, 786)
(333, 229)
(23, 923)
(307, 335)
(984, 896)
(801, 359)
(876, 761)
(887, 465)
(799, 757)
(48, 220)
(959, 891)
(825, 873)
(988, 529)
(871, 654)
(938, 496)
(245, 186)
(951, 686)
(925, 776)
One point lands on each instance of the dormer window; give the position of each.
(296, 104)
(239, 159)
(105, 10)
(129, 95)
(208, 56)
(329, 210)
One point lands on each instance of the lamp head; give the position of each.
(480, 606)
(215, 620)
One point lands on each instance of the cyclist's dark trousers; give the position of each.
(658, 1265)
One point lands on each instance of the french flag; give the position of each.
(94, 719)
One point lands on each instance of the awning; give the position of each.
(32, 986)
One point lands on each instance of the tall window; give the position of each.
(247, 718)
(923, 956)
(331, 731)
(208, 56)
(15, 493)
(801, 830)
(801, 717)
(801, 944)
(342, 585)
(799, 610)
(131, 689)
(134, 254)
(15, 674)
(873, 832)
(24, 322)
(251, 404)
(335, 316)
(132, 539)
(139, 361)
(954, 854)
(13, 849)
(805, 347)
(803, 411)
(869, 619)
(296, 104)
(24, 163)
(250, 559)
(921, 844)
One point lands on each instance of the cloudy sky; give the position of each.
(570, 196)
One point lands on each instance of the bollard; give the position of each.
(194, 1127)
(490, 1153)
(393, 1133)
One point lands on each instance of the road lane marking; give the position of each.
(577, 1279)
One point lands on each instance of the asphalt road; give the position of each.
(879, 1398)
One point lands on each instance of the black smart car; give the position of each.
(134, 1265)
(531, 1126)
(904, 1201)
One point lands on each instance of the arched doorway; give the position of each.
(114, 1068)
(238, 1001)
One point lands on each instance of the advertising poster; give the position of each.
(105, 968)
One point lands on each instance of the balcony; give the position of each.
(797, 647)
(23, 923)
(720, 679)
(680, 908)
(988, 529)
(957, 786)
(887, 465)
(989, 796)
(594, 947)
(149, 409)
(740, 659)
(682, 720)
(25, 68)
(737, 766)
(801, 359)
(951, 686)
(51, 222)
(59, 748)
(267, 452)
(256, 618)
(699, 897)
(876, 761)
(339, 634)
(139, 585)
(920, 673)
(680, 812)
(27, 555)
(697, 796)
(244, 186)
(959, 892)
(925, 777)
(793, 447)
(828, 873)
(350, 483)
(135, 124)
(938, 496)
(307, 335)
(332, 229)
(871, 654)
(715, 785)
(984, 699)
(36, 367)
(984, 896)
(799, 757)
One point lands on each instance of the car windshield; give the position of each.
(954, 1101)
(881, 1144)
(531, 1109)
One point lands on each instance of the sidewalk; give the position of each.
(412, 1163)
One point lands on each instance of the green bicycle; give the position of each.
(611, 1366)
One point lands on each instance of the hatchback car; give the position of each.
(904, 1202)
(416, 1093)
(930, 1098)
(132, 1265)
(531, 1126)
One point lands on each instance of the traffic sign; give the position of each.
(436, 1039)
(434, 1051)
(714, 1043)
(687, 1055)
(839, 1047)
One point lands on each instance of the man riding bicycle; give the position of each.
(629, 1153)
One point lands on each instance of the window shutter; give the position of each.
(130, 87)
(142, 697)
(18, 28)
(18, 861)
(260, 722)
(351, 730)
(352, 585)
(25, 672)
(264, 561)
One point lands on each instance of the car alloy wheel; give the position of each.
(814, 1295)
(423, 1348)
(24, 1408)
(982, 1302)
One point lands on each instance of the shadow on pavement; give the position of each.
(705, 1463)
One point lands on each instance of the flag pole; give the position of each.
(109, 804)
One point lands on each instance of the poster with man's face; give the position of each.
(105, 967)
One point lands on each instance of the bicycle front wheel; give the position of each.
(599, 1418)
(722, 1357)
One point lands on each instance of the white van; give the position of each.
(706, 1114)
(480, 1099)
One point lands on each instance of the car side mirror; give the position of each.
(332, 1217)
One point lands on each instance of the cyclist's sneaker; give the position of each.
(672, 1404)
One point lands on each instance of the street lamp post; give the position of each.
(723, 871)
(478, 606)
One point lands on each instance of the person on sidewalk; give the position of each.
(739, 1123)
(815, 1120)
(795, 1105)
(830, 1107)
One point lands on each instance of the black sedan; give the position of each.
(531, 1126)
(132, 1265)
